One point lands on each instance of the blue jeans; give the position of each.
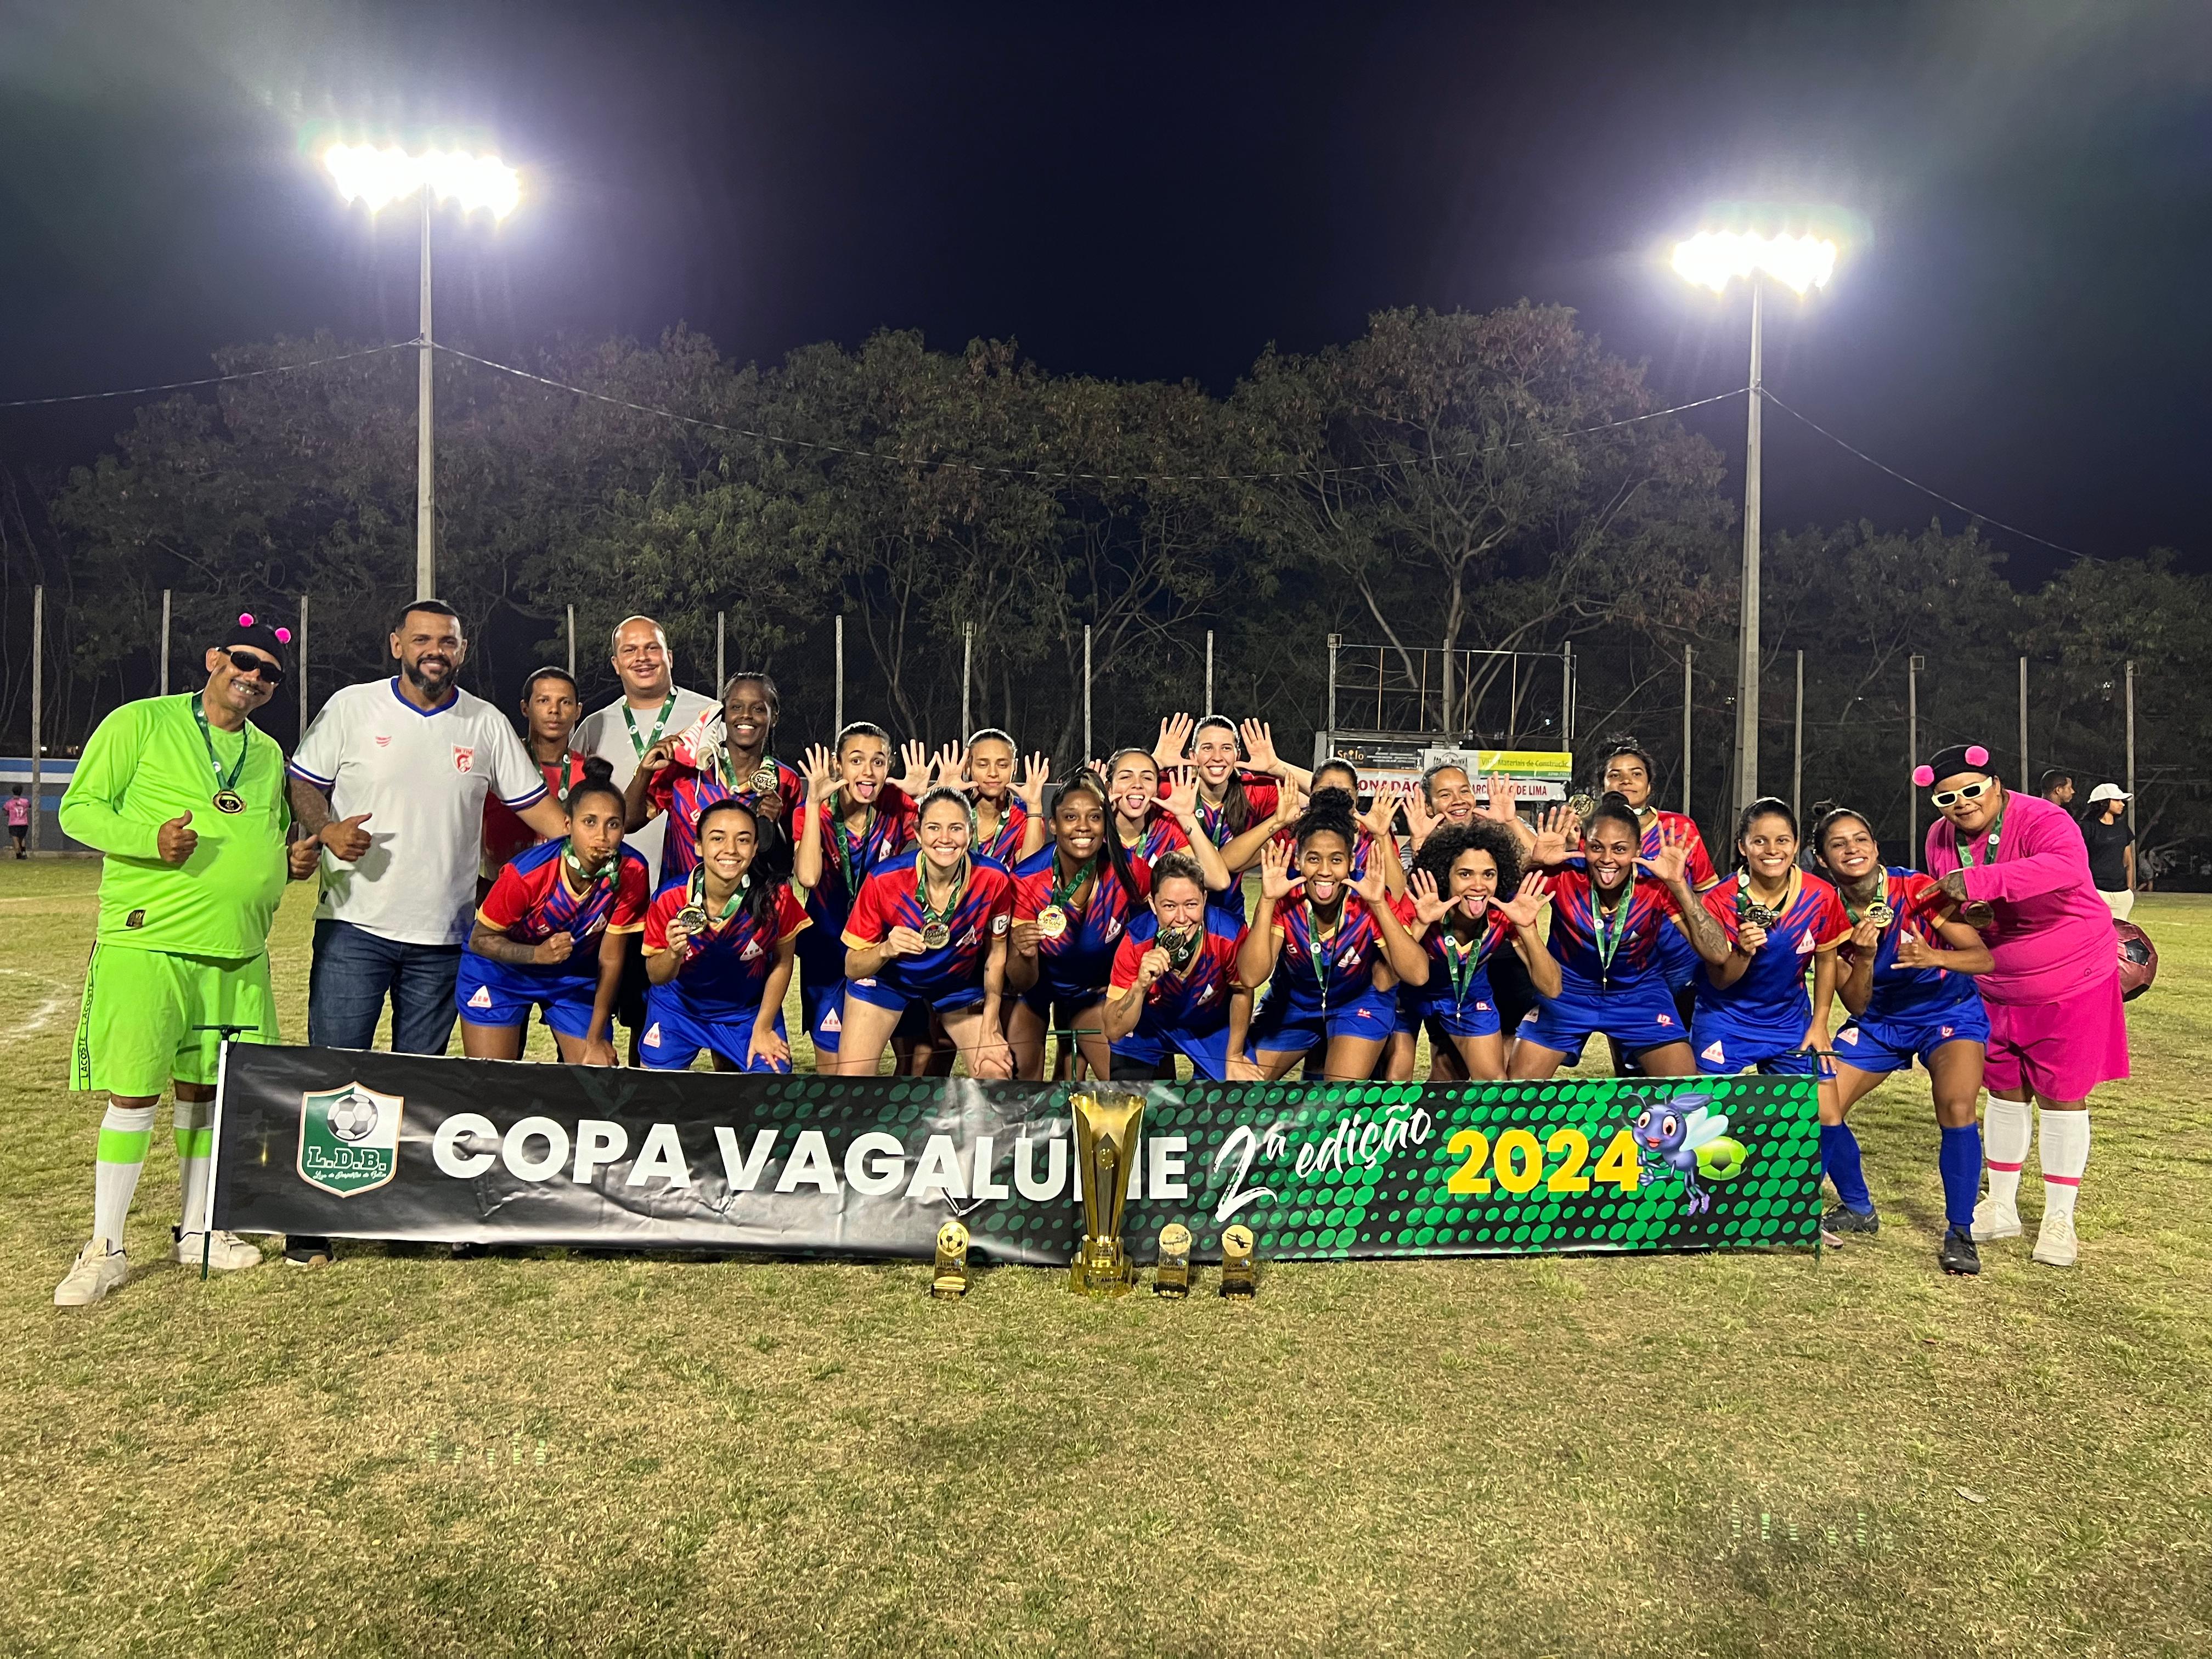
(355, 970)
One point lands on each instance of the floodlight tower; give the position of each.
(378, 176)
(1713, 259)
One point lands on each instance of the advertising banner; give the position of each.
(396, 1146)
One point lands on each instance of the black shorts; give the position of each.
(629, 1000)
(19, 830)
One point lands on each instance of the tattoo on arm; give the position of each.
(496, 946)
(1707, 936)
(310, 807)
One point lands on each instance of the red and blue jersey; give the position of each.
(684, 792)
(890, 897)
(1699, 865)
(1492, 930)
(1005, 844)
(1163, 834)
(727, 970)
(1770, 992)
(1580, 921)
(531, 900)
(1261, 795)
(887, 832)
(1321, 973)
(1075, 966)
(1912, 994)
(1194, 1002)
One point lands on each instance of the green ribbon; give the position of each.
(659, 726)
(921, 892)
(222, 785)
(1609, 938)
(1966, 859)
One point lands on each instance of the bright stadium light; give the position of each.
(377, 176)
(1713, 259)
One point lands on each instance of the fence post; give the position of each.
(38, 703)
(1689, 658)
(1335, 641)
(1567, 695)
(2131, 765)
(300, 657)
(164, 641)
(1797, 763)
(1086, 694)
(967, 679)
(1209, 671)
(837, 709)
(2026, 781)
(572, 642)
(721, 651)
(1914, 664)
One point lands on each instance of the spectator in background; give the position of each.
(19, 818)
(550, 707)
(2111, 848)
(2057, 788)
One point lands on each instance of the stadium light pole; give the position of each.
(377, 176)
(1713, 259)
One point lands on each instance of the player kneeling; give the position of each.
(718, 954)
(552, 935)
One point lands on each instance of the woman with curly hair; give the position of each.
(1468, 897)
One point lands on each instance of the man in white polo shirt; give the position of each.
(391, 778)
(651, 707)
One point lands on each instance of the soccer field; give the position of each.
(1730, 1455)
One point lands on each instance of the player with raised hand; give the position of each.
(1174, 987)
(555, 933)
(719, 948)
(1469, 898)
(1321, 950)
(1908, 985)
(1612, 909)
(1010, 823)
(721, 756)
(1238, 786)
(928, 930)
(187, 800)
(1752, 1011)
(1149, 820)
(1072, 903)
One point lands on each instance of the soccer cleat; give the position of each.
(1958, 1255)
(96, 1271)
(302, 1251)
(226, 1253)
(1996, 1220)
(1842, 1219)
(2055, 1245)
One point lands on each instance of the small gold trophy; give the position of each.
(952, 1279)
(1172, 1276)
(1237, 1274)
(1108, 1128)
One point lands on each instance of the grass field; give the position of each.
(1731, 1454)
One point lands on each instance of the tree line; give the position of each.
(1443, 485)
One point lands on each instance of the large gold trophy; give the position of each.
(1108, 1133)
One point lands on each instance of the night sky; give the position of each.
(1148, 193)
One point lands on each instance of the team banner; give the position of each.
(396, 1146)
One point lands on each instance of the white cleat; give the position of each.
(1995, 1220)
(97, 1271)
(227, 1253)
(2055, 1245)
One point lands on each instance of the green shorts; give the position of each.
(150, 1016)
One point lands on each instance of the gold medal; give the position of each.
(764, 777)
(229, 800)
(1052, 921)
(692, 918)
(935, 936)
(1879, 915)
(1582, 806)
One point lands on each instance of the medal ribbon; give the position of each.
(1461, 960)
(1320, 949)
(1880, 897)
(921, 892)
(1609, 936)
(698, 893)
(848, 844)
(222, 785)
(659, 726)
(1966, 860)
(1064, 891)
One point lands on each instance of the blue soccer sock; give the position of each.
(1959, 1159)
(1839, 1160)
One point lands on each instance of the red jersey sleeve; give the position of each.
(508, 902)
(790, 914)
(632, 899)
(894, 808)
(660, 788)
(1031, 893)
(1720, 905)
(1128, 955)
(1001, 911)
(867, 923)
(1699, 865)
(658, 915)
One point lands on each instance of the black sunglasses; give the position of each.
(246, 662)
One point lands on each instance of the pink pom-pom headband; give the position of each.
(283, 635)
(1922, 777)
(1952, 760)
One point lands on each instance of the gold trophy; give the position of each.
(952, 1279)
(1171, 1277)
(1238, 1273)
(1108, 1130)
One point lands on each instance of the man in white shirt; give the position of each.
(651, 708)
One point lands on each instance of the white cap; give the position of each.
(2107, 792)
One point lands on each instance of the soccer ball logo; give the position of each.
(354, 1117)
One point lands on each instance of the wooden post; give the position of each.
(38, 703)
(300, 665)
(1689, 660)
(164, 641)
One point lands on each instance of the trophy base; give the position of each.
(1098, 1271)
(948, 1287)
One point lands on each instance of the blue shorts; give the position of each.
(1638, 1016)
(822, 986)
(1724, 1047)
(674, 1035)
(1206, 1051)
(944, 1000)
(499, 994)
(1043, 1000)
(1882, 1046)
(1412, 1007)
(1282, 1026)
(1477, 1017)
